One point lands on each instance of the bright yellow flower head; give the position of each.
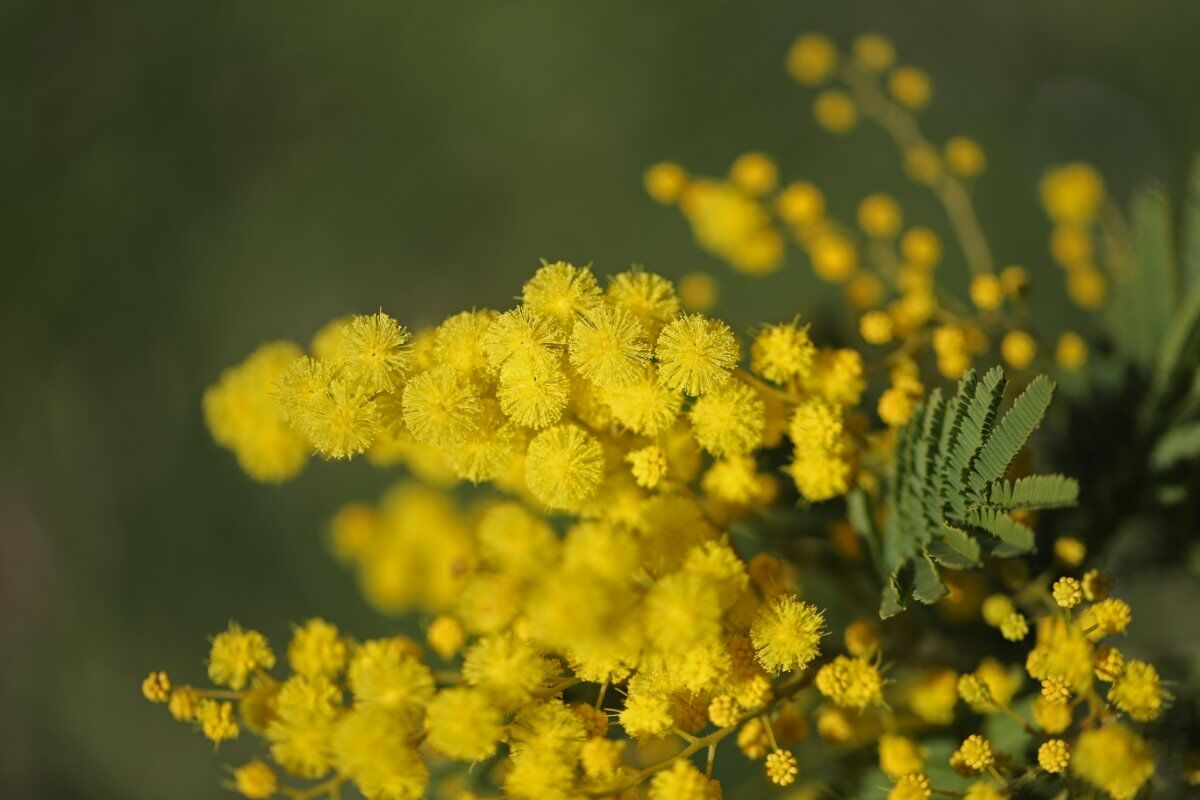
(564, 466)
(801, 204)
(236, 654)
(835, 111)
(786, 633)
(729, 421)
(317, 649)
(609, 347)
(463, 724)
(900, 756)
(754, 173)
(561, 291)
(911, 87)
(812, 58)
(666, 182)
(649, 297)
(372, 352)
(879, 216)
(965, 157)
(1072, 193)
(851, 682)
(255, 780)
(696, 354)
(1138, 692)
(911, 787)
(876, 52)
(1054, 755)
(782, 352)
(1113, 758)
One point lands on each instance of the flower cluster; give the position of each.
(633, 579)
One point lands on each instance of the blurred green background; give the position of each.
(183, 180)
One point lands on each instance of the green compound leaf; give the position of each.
(948, 497)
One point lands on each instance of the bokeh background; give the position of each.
(183, 180)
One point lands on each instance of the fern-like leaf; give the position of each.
(1036, 491)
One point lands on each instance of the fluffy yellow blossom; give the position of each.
(649, 297)
(900, 756)
(235, 654)
(1114, 759)
(876, 327)
(1014, 627)
(533, 394)
(646, 714)
(683, 782)
(255, 780)
(921, 247)
(851, 682)
(879, 216)
(911, 787)
(834, 257)
(1072, 193)
(157, 687)
(1070, 550)
(754, 173)
(372, 748)
(564, 466)
(372, 352)
(446, 636)
(1051, 717)
(1056, 690)
(729, 421)
(648, 466)
(441, 406)
(911, 87)
(812, 58)
(216, 720)
(801, 204)
(1106, 617)
(665, 182)
(463, 724)
(1137, 691)
(982, 790)
(506, 669)
(1018, 349)
(1071, 352)
(317, 649)
(876, 52)
(934, 697)
(987, 293)
(1110, 663)
(385, 674)
(786, 633)
(965, 157)
(1054, 755)
(835, 111)
(782, 352)
(609, 347)
(561, 291)
(696, 354)
(243, 416)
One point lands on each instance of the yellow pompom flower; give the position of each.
(729, 421)
(1018, 349)
(600, 757)
(1056, 690)
(995, 608)
(834, 257)
(900, 756)
(373, 749)
(819, 476)
(646, 714)
(683, 782)
(645, 407)
(243, 416)
(987, 293)
(812, 58)
(649, 297)
(976, 752)
(463, 724)
(1070, 551)
(459, 342)
(157, 687)
(505, 668)
(1054, 755)
(851, 682)
(982, 790)
(1072, 193)
(216, 720)
(372, 352)
(782, 768)
(385, 674)
(343, 421)
(1067, 592)
(934, 697)
(648, 466)
(533, 394)
(608, 346)
(921, 247)
(682, 610)
(441, 406)
(255, 780)
(1014, 627)
(564, 466)
(835, 111)
(490, 450)
(876, 327)
(1071, 353)
(1108, 617)
(754, 173)
(911, 87)
(561, 291)
(876, 52)
(782, 352)
(800, 204)
(317, 649)
(1113, 758)
(235, 654)
(666, 182)
(879, 216)
(183, 703)
(1137, 691)
(523, 336)
(965, 157)
(1051, 717)
(786, 633)
(696, 354)
(445, 636)
(911, 787)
